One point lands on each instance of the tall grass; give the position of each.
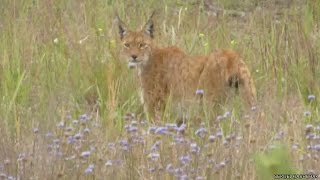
(67, 97)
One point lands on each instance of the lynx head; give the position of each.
(136, 45)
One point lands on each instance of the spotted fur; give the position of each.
(165, 72)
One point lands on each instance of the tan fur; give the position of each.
(169, 71)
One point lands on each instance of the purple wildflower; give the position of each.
(129, 116)
(171, 125)
(70, 158)
(178, 171)
(279, 135)
(84, 117)
(220, 118)
(200, 92)
(131, 129)
(309, 147)
(219, 134)
(317, 147)
(69, 129)
(111, 146)
(49, 135)
(154, 156)
(295, 146)
(239, 138)
(222, 164)
(200, 178)
(152, 169)
(152, 130)
(138, 140)
(89, 169)
(228, 138)
(60, 125)
(225, 143)
(201, 132)
(194, 148)
(3, 176)
(212, 138)
(85, 154)
(71, 140)
(59, 154)
(309, 128)
(7, 162)
(307, 113)
(155, 146)
(311, 97)
(179, 140)
(75, 122)
(22, 157)
(183, 177)
(86, 131)
(316, 137)
(117, 162)
(108, 163)
(56, 141)
(226, 114)
(310, 136)
(124, 144)
(161, 130)
(11, 178)
(170, 168)
(185, 159)
(78, 136)
(134, 123)
(35, 130)
(181, 128)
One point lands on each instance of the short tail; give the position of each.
(227, 68)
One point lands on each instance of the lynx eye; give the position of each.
(127, 45)
(142, 45)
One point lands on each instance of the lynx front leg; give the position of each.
(148, 106)
(249, 88)
(210, 86)
(152, 107)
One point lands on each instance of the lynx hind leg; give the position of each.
(210, 85)
(154, 108)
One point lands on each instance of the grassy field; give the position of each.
(69, 106)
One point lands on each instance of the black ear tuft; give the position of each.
(122, 31)
(122, 27)
(149, 27)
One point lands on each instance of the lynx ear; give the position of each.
(122, 27)
(148, 28)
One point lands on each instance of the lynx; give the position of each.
(169, 72)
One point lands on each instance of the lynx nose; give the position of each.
(134, 57)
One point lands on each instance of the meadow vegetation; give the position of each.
(69, 105)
